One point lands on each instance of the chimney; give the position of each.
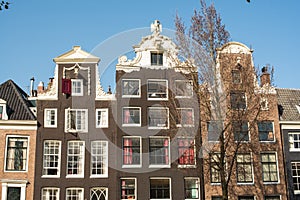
(265, 77)
(109, 90)
(31, 86)
(50, 83)
(40, 88)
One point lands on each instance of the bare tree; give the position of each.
(4, 5)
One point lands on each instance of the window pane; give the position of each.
(240, 130)
(215, 129)
(185, 117)
(184, 88)
(159, 151)
(128, 188)
(98, 194)
(131, 151)
(244, 168)
(191, 186)
(158, 117)
(269, 167)
(156, 58)
(99, 158)
(159, 188)
(74, 194)
(76, 120)
(265, 131)
(102, 118)
(132, 116)
(186, 152)
(130, 87)
(16, 158)
(50, 194)
(13, 193)
(296, 175)
(236, 76)
(238, 100)
(157, 89)
(51, 157)
(75, 158)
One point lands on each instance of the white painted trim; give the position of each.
(132, 165)
(12, 183)
(107, 117)
(105, 164)
(131, 96)
(135, 185)
(167, 89)
(290, 125)
(59, 160)
(132, 124)
(45, 117)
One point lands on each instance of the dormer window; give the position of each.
(156, 58)
(77, 87)
(3, 114)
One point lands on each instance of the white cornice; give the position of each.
(18, 124)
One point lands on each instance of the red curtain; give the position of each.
(127, 151)
(66, 86)
(166, 145)
(126, 117)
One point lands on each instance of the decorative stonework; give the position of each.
(235, 47)
(51, 93)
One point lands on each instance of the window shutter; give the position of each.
(66, 86)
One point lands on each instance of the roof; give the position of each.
(289, 99)
(76, 55)
(17, 105)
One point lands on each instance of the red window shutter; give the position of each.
(66, 86)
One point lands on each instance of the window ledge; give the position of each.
(159, 166)
(131, 125)
(131, 166)
(74, 176)
(50, 176)
(186, 166)
(271, 183)
(99, 176)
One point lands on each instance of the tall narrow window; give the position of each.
(131, 151)
(77, 87)
(294, 141)
(99, 158)
(49, 193)
(215, 174)
(158, 118)
(51, 158)
(236, 76)
(244, 168)
(157, 89)
(269, 167)
(184, 88)
(186, 151)
(75, 159)
(99, 193)
(160, 188)
(1, 111)
(74, 194)
(131, 88)
(128, 188)
(50, 117)
(296, 176)
(238, 100)
(76, 120)
(185, 117)
(16, 153)
(240, 131)
(215, 129)
(156, 58)
(191, 188)
(272, 197)
(131, 116)
(102, 118)
(159, 151)
(265, 131)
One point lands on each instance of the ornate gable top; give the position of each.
(235, 47)
(76, 55)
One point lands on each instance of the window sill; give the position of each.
(186, 166)
(245, 183)
(99, 176)
(50, 176)
(294, 150)
(75, 176)
(131, 166)
(131, 125)
(131, 96)
(15, 171)
(50, 126)
(157, 99)
(159, 166)
(102, 126)
(183, 97)
(157, 127)
(271, 183)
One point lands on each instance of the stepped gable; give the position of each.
(16, 101)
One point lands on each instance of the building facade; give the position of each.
(289, 113)
(17, 141)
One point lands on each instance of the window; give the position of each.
(77, 87)
(75, 159)
(264, 104)
(160, 188)
(131, 88)
(184, 88)
(12, 190)
(131, 151)
(49, 193)
(185, 117)
(294, 140)
(156, 58)
(131, 116)
(269, 167)
(128, 188)
(275, 197)
(3, 114)
(157, 89)
(159, 151)
(191, 188)
(99, 193)
(265, 131)
(158, 118)
(215, 176)
(215, 128)
(236, 76)
(16, 153)
(296, 176)
(50, 117)
(74, 194)
(102, 118)
(237, 100)
(1, 111)
(240, 131)
(216, 198)
(99, 158)
(246, 198)
(76, 120)
(51, 158)
(186, 151)
(244, 168)
(66, 86)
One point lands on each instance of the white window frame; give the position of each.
(169, 153)
(14, 183)
(277, 167)
(4, 114)
(27, 152)
(179, 111)
(81, 195)
(138, 95)
(198, 186)
(273, 131)
(68, 122)
(185, 147)
(80, 162)
(272, 196)
(47, 117)
(252, 170)
(158, 127)
(103, 122)
(186, 82)
(292, 141)
(53, 154)
(140, 155)
(135, 187)
(154, 94)
(76, 81)
(46, 189)
(170, 186)
(157, 53)
(298, 169)
(101, 189)
(132, 124)
(103, 158)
